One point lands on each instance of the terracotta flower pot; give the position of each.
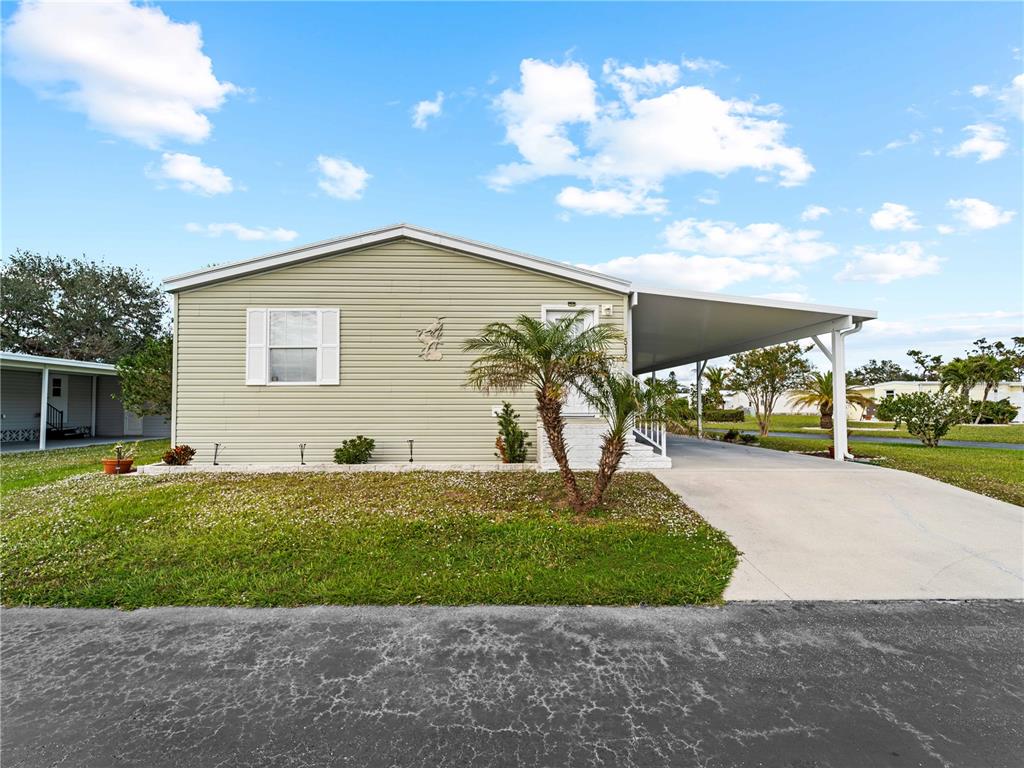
(116, 467)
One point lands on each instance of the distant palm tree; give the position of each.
(716, 378)
(552, 358)
(960, 374)
(817, 393)
(992, 370)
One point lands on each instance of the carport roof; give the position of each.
(55, 364)
(672, 328)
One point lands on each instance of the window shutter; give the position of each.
(328, 362)
(256, 346)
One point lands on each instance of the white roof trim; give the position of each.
(375, 236)
(856, 314)
(38, 362)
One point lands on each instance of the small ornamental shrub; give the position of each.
(731, 436)
(356, 450)
(511, 441)
(995, 412)
(748, 439)
(885, 410)
(724, 414)
(179, 455)
(929, 416)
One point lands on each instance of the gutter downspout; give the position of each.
(839, 380)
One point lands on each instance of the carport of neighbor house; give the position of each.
(50, 402)
(675, 328)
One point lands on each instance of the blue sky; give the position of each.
(864, 155)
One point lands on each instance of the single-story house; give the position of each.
(1011, 390)
(49, 401)
(287, 354)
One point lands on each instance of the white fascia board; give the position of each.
(857, 314)
(21, 361)
(376, 236)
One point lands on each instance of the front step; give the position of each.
(583, 440)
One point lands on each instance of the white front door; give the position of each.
(575, 403)
(57, 394)
(132, 424)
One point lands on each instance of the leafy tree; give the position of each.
(877, 371)
(929, 364)
(764, 374)
(622, 401)
(146, 378)
(929, 415)
(76, 308)
(816, 392)
(552, 358)
(960, 374)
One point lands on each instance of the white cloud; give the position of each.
(278, 234)
(709, 197)
(894, 216)
(191, 174)
(814, 212)
(130, 69)
(699, 273)
(912, 138)
(426, 109)
(1010, 98)
(979, 214)
(894, 262)
(987, 141)
(945, 229)
(700, 64)
(612, 202)
(656, 131)
(765, 242)
(340, 178)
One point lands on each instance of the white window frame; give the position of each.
(318, 380)
(570, 409)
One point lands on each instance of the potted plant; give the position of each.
(124, 456)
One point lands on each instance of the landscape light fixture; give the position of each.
(302, 454)
(216, 450)
(410, 442)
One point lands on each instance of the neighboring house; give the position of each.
(1011, 390)
(52, 399)
(363, 335)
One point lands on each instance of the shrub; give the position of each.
(748, 439)
(995, 412)
(724, 414)
(731, 436)
(885, 410)
(929, 416)
(179, 455)
(357, 450)
(511, 442)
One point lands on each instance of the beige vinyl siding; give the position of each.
(384, 293)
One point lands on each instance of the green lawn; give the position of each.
(989, 471)
(1003, 433)
(24, 470)
(366, 538)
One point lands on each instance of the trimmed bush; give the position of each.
(748, 439)
(995, 411)
(724, 414)
(356, 450)
(511, 442)
(179, 455)
(731, 436)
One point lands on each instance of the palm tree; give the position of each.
(716, 378)
(622, 400)
(550, 357)
(991, 370)
(959, 374)
(817, 393)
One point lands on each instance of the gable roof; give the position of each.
(346, 243)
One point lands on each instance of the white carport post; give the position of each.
(700, 402)
(837, 356)
(43, 392)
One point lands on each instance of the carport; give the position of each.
(675, 328)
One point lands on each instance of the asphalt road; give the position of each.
(751, 684)
(883, 438)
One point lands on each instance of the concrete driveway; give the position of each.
(811, 529)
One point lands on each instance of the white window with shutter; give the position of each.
(291, 346)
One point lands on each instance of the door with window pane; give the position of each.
(294, 336)
(575, 403)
